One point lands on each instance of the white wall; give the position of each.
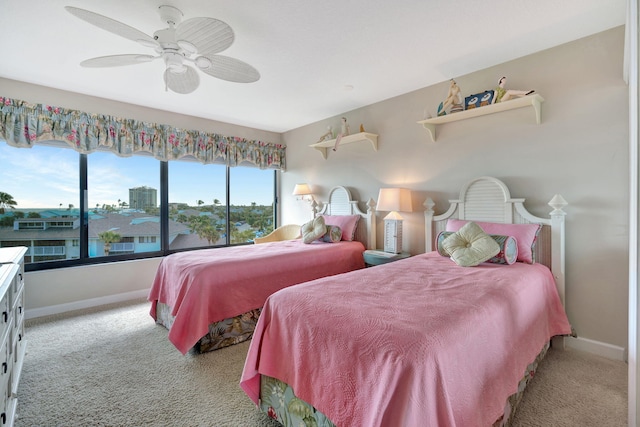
(65, 289)
(580, 150)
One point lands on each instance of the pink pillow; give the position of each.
(525, 235)
(347, 224)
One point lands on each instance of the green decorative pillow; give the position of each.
(313, 230)
(470, 245)
(508, 248)
(333, 234)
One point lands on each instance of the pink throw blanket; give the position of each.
(210, 285)
(417, 342)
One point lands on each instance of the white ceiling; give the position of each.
(309, 53)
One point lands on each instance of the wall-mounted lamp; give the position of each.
(393, 200)
(303, 192)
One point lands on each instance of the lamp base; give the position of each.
(393, 236)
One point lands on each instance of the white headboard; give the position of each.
(340, 203)
(488, 199)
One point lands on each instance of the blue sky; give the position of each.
(44, 177)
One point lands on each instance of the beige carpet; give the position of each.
(114, 367)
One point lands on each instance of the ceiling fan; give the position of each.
(193, 41)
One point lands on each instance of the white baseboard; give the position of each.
(597, 347)
(88, 303)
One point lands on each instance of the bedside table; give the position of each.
(378, 257)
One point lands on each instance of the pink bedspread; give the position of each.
(209, 285)
(417, 342)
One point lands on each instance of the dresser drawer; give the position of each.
(6, 365)
(16, 288)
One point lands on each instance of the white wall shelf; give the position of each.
(356, 137)
(531, 100)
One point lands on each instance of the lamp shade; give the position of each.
(394, 200)
(301, 190)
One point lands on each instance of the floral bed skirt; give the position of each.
(224, 333)
(279, 402)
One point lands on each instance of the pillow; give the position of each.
(470, 246)
(525, 234)
(333, 234)
(313, 230)
(508, 248)
(347, 223)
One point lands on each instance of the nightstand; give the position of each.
(378, 257)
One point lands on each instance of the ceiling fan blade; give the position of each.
(111, 25)
(182, 82)
(116, 60)
(231, 69)
(208, 35)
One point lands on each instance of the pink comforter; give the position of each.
(210, 285)
(417, 342)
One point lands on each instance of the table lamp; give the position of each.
(393, 200)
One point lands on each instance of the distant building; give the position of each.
(56, 236)
(143, 197)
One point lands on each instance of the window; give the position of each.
(122, 198)
(197, 205)
(72, 209)
(43, 183)
(251, 204)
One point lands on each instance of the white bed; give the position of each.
(434, 365)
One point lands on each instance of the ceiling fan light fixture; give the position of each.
(174, 63)
(177, 68)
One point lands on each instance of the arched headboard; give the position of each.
(488, 199)
(341, 203)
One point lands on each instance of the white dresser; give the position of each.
(12, 340)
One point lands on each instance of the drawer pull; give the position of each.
(4, 418)
(4, 367)
(19, 337)
(5, 316)
(20, 309)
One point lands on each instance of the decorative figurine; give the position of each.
(502, 94)
(344, 132)
(327, 136)
(453, 100)
(361, 127)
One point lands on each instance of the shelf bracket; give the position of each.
(431, 128)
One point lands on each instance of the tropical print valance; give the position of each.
(23, 124)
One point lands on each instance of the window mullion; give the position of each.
(164, 207)
(84, 211)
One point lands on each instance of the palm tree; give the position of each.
(6, 201)
(108, 237)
